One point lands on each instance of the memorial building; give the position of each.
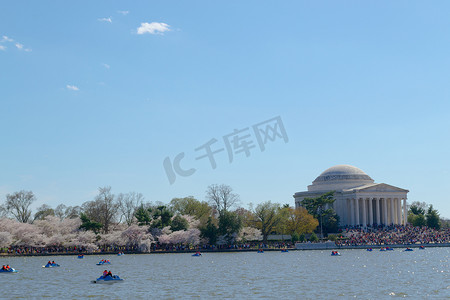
(358, 199)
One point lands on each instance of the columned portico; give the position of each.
(358, 200)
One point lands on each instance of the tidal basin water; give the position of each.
(295, 275)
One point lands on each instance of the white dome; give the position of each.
(340, 177)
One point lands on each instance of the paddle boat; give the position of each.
(335, 253)
(103, 262)
(260, 251)
(422, 247)
(409, 249)
(120, 254)
(8, 269)
(108, 279)
(389, 248)
(197, 254)
(80, 256)
(284, 250)
(382, 249)
(369, 249)
(51, 265)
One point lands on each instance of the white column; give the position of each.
(364, 212)
(385, 212)
(392, 211)
(357, 210)
(399, 211)
(405, 216)
(377, 202)
(352, 212)
(370, 211)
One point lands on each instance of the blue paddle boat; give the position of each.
(103, 262)
(51, 265)
(80, 256)
(108, 279)
(197, 254)
(10, 270)
(284, 250)
(335, 253)
(369, 249)
(260, 251)
(409, 249)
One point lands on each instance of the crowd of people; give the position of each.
(392, 235)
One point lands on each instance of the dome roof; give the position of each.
(342, 172)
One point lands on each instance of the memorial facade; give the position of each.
(358, 199)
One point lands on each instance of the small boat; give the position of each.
(50, 266)
(369, 249)
(422, 247)
(80, 256)
(108, 279)
(389, 248)
(103, 262)
(382, 249)
(335, 253)
(197, 254)
(284, 250)
(260, 251)
(120, 254)
(409, 249)
(10, 270)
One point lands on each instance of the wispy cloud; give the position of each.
(6, 39)
(123, 12)
(18, 45)
(153, 28)
(72, 87)
(106, 66)
(109, 20)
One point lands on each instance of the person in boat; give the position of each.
(109, 274)
(53, 263)
(49, 263)
(105, 273)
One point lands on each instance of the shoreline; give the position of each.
(317, 247)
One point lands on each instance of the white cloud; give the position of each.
(106, 20)
(6, 39)
(28, 50)
(106, 66)
(153, 28)
(19, 46)
(72, 87)
(2, 48)
(123, 12)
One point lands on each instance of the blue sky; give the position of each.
(99, 93)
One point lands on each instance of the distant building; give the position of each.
(358, 200)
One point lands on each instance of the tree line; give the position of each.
(218, 220)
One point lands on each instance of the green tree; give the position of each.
(433, 220)
(210, 231)
(43, 211)
(179, 223)
(142, 216)
(418, 220)
(321, 209)
(87, 224)
(162, 216)
(267, 217)
(418, 208)
(192, 207)
(229, 225)
(313, 237)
